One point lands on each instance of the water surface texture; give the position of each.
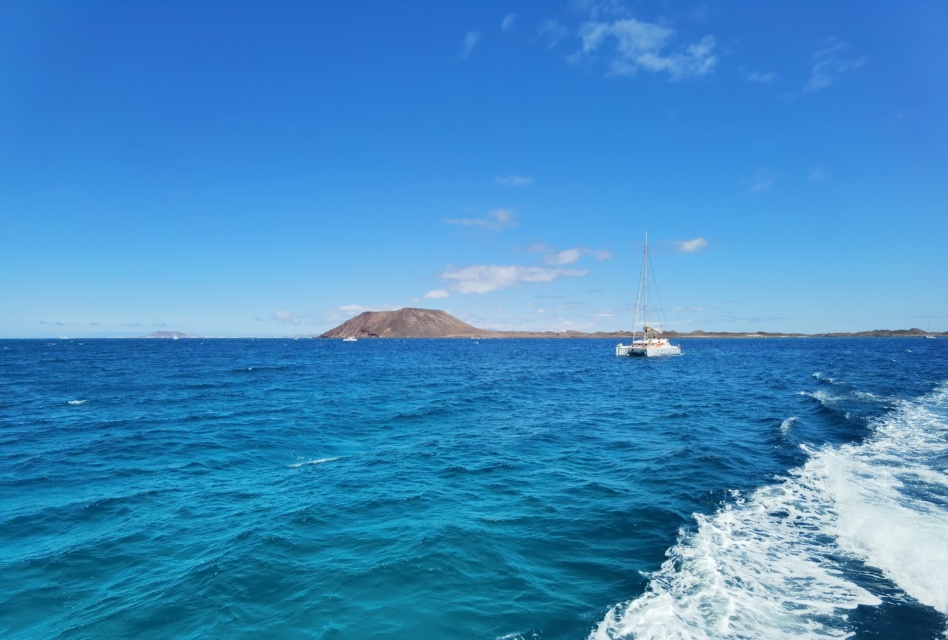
(772, 488)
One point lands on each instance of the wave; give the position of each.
(787, 424)
(791, 559)
(320, 461)
(77, 402)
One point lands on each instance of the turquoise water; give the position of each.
(473, 489)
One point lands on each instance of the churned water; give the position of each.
(773, 488)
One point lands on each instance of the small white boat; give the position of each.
(349, 339)
(649, 342)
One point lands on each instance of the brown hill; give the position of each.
(406, 323)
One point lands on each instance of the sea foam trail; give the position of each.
(774, 565)
(891, 495)
(320, 461)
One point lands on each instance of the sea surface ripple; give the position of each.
(773, 488)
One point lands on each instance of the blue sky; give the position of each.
(250, 168)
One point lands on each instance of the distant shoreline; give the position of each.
(563, 335)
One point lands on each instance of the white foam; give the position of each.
(78, 401)
(821, 396)
(898, 528)
(320, 461)
(774, 565)
(786, 425)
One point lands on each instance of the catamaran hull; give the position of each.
(648, 351)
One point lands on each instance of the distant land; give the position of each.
(432, 323)
(172, 335)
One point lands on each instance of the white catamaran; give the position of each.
(649, 341)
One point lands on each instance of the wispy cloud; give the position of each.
(471, 39)
(514, 181)
(437, 293)
(496, 220)
(818, 175)
(568, 256)
(288, 317)
(601, 254)
(486, 278)
(508, 22)
(761, 182)
(631, 45)
(762, 78)
(552, 32)
(690, 246)
(284, 316)
(354, 309)
(829, 63)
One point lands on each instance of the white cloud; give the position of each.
(289, 317)
(539, 247)
(606, 314)
(496, 220)
(553, 32)
(285, 316)
(602, 255)
(762, 78)
(486, 278)
(568, 256)
(761, 182)
(470, 42)
(514, 181)
(508, 22)
(354, 309)
(437, 293)
(644, 45)
(690, 246)
(829, 63)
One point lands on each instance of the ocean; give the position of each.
(489, 489)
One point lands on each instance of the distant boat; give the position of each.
(174, 337)
(349, 339)
(649, 342)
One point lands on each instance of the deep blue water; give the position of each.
(774, 488)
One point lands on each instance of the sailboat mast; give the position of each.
(638, 303)
(645, 288)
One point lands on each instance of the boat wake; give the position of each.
(857, 524)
